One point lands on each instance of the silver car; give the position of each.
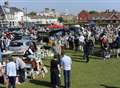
(20, 46)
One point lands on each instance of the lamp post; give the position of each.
(25, 12)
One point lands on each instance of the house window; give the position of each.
(13, 23)
(117, 21)
(0, 24)
(10, 23)
(93, 18)
(114, 21)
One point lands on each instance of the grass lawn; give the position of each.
(95, 74)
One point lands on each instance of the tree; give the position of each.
(92, 11)
(32, 13)
(60, 19)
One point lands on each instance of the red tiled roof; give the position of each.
(85, 16)
(107, 16)
(35, 17)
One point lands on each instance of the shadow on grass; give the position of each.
(48, 66)
(42, 83)
(78, 55)
(106, 86)
(77, 60)
(2, 87)
(95, 57)
(97, 54)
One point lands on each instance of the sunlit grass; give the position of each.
(95, 74)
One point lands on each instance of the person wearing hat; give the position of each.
(55, 70)
(11, 73)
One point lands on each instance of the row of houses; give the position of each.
(101, 18)
(10, 16)
(14, 17)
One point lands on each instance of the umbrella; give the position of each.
(55, 26)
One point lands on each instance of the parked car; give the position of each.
(19, 46)
(26, 37)
(14, 29)
(19, 36)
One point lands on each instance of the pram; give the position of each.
(107, 53)
(35, 68)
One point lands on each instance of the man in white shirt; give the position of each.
(66, 61)
(11, 73)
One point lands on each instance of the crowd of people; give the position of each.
(13, 66)
(86, 39)
(83, 40)
(106, 39)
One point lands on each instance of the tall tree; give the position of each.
(32, 13)
(92, 11)
(60, 19)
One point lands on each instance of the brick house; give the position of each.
(101, 18)
(83, 16)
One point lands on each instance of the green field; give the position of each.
(98, 73)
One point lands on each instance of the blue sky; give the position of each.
(74, 6)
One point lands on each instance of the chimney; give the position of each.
(107, 11)
(6, 3)
(113, 11)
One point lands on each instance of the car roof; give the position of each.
(22, 40)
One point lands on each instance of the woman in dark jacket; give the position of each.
(55, 70)
(87, 49)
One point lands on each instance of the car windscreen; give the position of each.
(17, 37)
(16, 44)
(26, 38)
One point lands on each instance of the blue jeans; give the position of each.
(86, 54)
(12, 82)
(54, 78)
(67, 78)
(0, 55)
